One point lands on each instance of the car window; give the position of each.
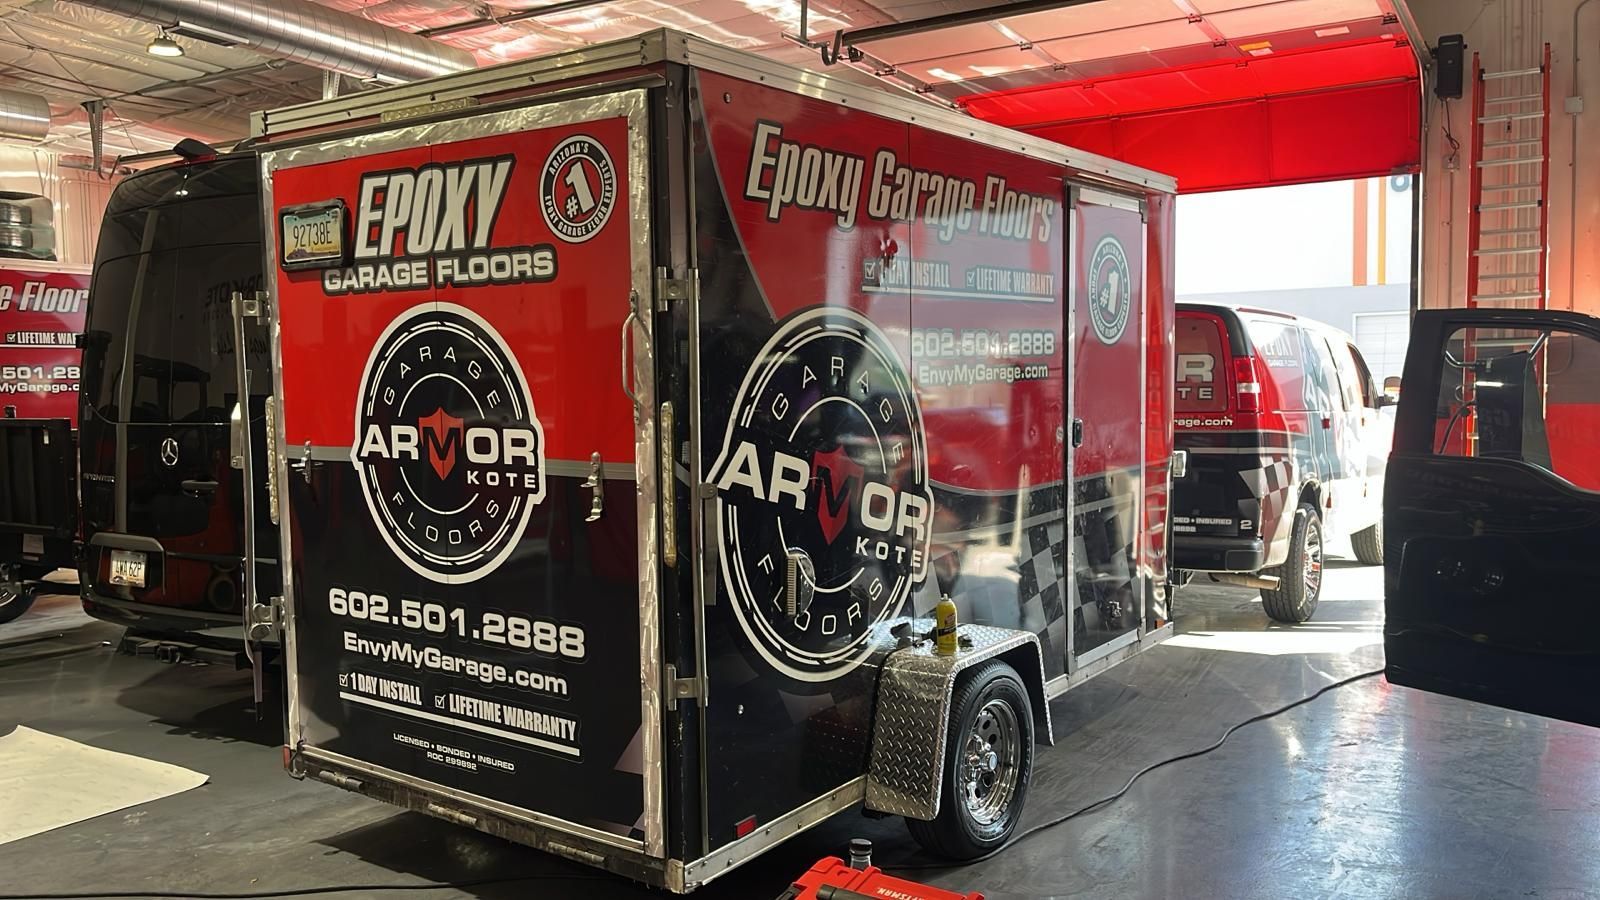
(174, 245)
(1321, 384)
(1522, 394)
(1369, 391)
(1350, 378)
(1278, 344)
(1201, 352)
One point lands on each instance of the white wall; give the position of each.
(1510, 34)
(1293, 237)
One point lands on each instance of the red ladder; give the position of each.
(1508, 238)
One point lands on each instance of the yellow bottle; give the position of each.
(944, 627)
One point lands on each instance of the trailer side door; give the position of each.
(1108, 365)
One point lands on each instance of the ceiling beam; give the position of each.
(954, 19)
(474, 24)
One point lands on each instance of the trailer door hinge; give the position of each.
(680, 688)
(670, 290)
(266, 619)
(255, 305)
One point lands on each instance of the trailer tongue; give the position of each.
(638, 406)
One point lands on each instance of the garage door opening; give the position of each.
(1337, 252)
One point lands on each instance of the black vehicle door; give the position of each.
(1492, 511)
(162, 505)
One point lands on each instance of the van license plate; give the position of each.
(127, 568)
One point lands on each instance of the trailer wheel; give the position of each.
(1300, 577)
(1368, 544)
(15, 598)
(988, 764)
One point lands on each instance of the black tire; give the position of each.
(1368, 544)
(1300, 577)
(15, 598)
(965, 831)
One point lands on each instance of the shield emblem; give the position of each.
(837, 477)
(441, 435)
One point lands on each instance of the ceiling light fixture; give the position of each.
(162, 45)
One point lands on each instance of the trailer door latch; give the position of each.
(680, 688)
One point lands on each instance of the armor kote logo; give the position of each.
(447, 446)
(824, 455)
(1110, 290)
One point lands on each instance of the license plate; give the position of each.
(33, 545)
(127, 568)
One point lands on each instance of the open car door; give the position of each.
(1492, 511)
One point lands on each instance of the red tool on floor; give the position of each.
(832, 879)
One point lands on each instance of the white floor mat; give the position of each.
(47, 782)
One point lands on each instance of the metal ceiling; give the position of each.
(71, 53)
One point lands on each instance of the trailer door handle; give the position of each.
(628, 324)
(596, 482)
(1077, 433)
(191, 486)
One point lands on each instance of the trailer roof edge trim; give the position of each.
(669, 46)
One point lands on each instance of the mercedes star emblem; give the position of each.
(169, 452)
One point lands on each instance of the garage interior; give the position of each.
(1239, 757)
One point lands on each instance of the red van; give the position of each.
(1286, 446)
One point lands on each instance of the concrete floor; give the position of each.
(1372, 791)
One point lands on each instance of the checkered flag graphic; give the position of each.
(1042, 567)
(1271, 484)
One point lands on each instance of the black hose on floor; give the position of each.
(483, 882)
(1109, 799)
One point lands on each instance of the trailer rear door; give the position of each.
(469, 617)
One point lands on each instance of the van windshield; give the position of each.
(1202, 359)
(174, 246)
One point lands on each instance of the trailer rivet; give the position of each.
(727, 98)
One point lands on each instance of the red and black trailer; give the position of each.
(41, 322)
(638, 405)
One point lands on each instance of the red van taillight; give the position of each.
(1246, 386)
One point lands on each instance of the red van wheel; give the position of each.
(1300, 577)
(1368, 544)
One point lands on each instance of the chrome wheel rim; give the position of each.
(10, 587)
(989, 762)
(1313, 567)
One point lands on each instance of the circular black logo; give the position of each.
(824, 457)
(578, 189)
(447, 446)
(1110, 290)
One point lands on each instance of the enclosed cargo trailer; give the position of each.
(637, 407)
(41, 322)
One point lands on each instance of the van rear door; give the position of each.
(162, 506)
(1490, 511)
(1206, 501)
(1204, 381)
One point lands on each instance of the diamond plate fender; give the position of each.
(911, 722)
